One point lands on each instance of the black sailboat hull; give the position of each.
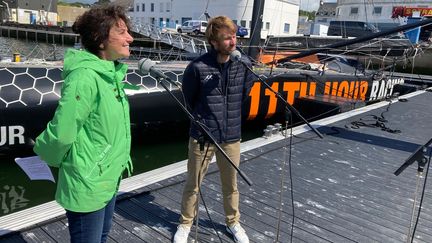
(29, 97)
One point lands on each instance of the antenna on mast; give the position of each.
(207, 16)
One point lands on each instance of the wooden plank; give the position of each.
(13, 238)
(139, 229)
(134, 211)
(37, 235)
(172, 215)
(58, 230)
(119, 233)
(321, 202)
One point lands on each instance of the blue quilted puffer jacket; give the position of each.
(216, 105)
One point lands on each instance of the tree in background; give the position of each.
(102, 2)
(311, 15)
(75, 4)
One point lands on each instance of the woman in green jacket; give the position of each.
(89, 137)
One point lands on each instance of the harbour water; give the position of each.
(29, 50)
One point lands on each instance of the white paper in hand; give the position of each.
(35, 168)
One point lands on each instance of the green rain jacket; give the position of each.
(89, 137)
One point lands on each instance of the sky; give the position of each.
(308, 5)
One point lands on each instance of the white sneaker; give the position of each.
(182, 234)
(238, 233)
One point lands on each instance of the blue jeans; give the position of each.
(92, 227)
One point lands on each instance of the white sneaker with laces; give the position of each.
(238, 233)
(182, 234)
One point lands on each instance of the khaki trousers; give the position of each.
(228, 176)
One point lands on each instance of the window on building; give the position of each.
(161, 7)
(286, 28)
(184, 19)
(354, 10)
(151, 7)
(243, 23)
(377, 10)
(168, 7)
(143, 7)
(137, 8)
(262, 25)
(268, 25)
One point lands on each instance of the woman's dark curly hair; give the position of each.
(94, 25)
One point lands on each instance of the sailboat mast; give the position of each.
(256, 25)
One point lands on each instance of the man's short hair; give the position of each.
(216, 24)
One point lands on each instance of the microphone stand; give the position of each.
(288, 106)
(420, 156)
(206, 132)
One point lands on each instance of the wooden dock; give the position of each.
(340, 188)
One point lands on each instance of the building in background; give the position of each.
(29, 11)
(325, 14)
(380, 12)
(68, 14)
(280, 17)
(304, 25)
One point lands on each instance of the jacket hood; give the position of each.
(108, 70)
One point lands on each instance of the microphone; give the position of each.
(235, 56)
(146, 66)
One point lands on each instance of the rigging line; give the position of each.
(422, 195)
(357, 48)
(365, 9)
(277, 46)
(282, 182)
(413, 60)
(205, 13)
(244, 10)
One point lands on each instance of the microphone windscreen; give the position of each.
(144, 65)
(235, 56)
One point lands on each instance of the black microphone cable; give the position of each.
(421, 198)
(282, 181)
(199, 174)
(202, 199)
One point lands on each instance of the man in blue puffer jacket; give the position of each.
(214, 88)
